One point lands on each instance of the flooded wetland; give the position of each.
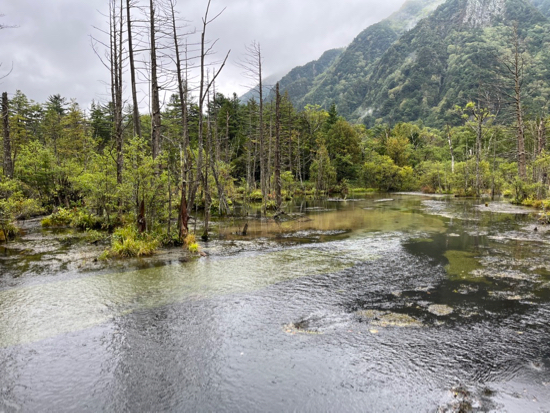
(399, 303)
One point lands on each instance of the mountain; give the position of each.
(318, 81)
(543, 6)
(299, 81)
(267, 85)
(445, 59)
(344, 83)
(426, 58)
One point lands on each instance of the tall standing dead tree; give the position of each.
(135, 105)
(278, 185)
(155, 98)
(252, 65)
(117, 24)
(514, 65)
(204, 87)
(183, 214)
(113, 60)
(8, 164)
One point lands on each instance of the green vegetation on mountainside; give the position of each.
(447, 58)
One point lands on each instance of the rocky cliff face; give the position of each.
(482, 13)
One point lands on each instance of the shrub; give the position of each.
(60, 218)
(126, 242)
(255, 196)
(382, 173)
(28, 208)
(194, 248)
(191, 244)
(75, 217)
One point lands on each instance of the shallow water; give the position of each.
(411, 304)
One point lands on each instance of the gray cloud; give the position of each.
(50, 50)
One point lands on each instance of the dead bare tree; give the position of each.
(252, 65)
(183, 214)
(5, 26)
(514, 66)
(117, 22)
(278, 196)
(135, 105)
(204, 87)
(155, 98)
(450, 141)
(8, 163)
(113, 59)
(541, 135)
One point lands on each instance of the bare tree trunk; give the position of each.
(269, 155)
(206, 187)
(299, 162)
(116, 88)
(204, 88)
(449, 139)
(522, 159)
(253, 67)
(155, 100)
(289, 126)
(142, 223)
(479, 134)
(8, 163)
(183, 215)
(135, 109)
(169, 228)
(278, 195)
(263, 178)
(541, 135)
(517, 72)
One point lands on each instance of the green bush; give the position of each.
(382, 173)
(255, 196)
(60, 218)
(75, 217)
(7, 229)
(126, 242)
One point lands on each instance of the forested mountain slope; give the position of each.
(344, 83)
(450, 57)
(300, 80)
(338, 75)
(424, 59)
(543, 6)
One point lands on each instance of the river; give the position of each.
(384, 303)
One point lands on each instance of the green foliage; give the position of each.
(94, 236)
(126, 242)
(191, 244)
(7, 229)
(344, 148)
(255, 196)
(193, 248)
(288, 182)
(322, 171)
(435, 177)
(382, 173)
(97, 185)
(20, 206)
(73, 217)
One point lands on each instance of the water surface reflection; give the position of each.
(412, 304)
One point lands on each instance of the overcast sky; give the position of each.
(50, 49)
